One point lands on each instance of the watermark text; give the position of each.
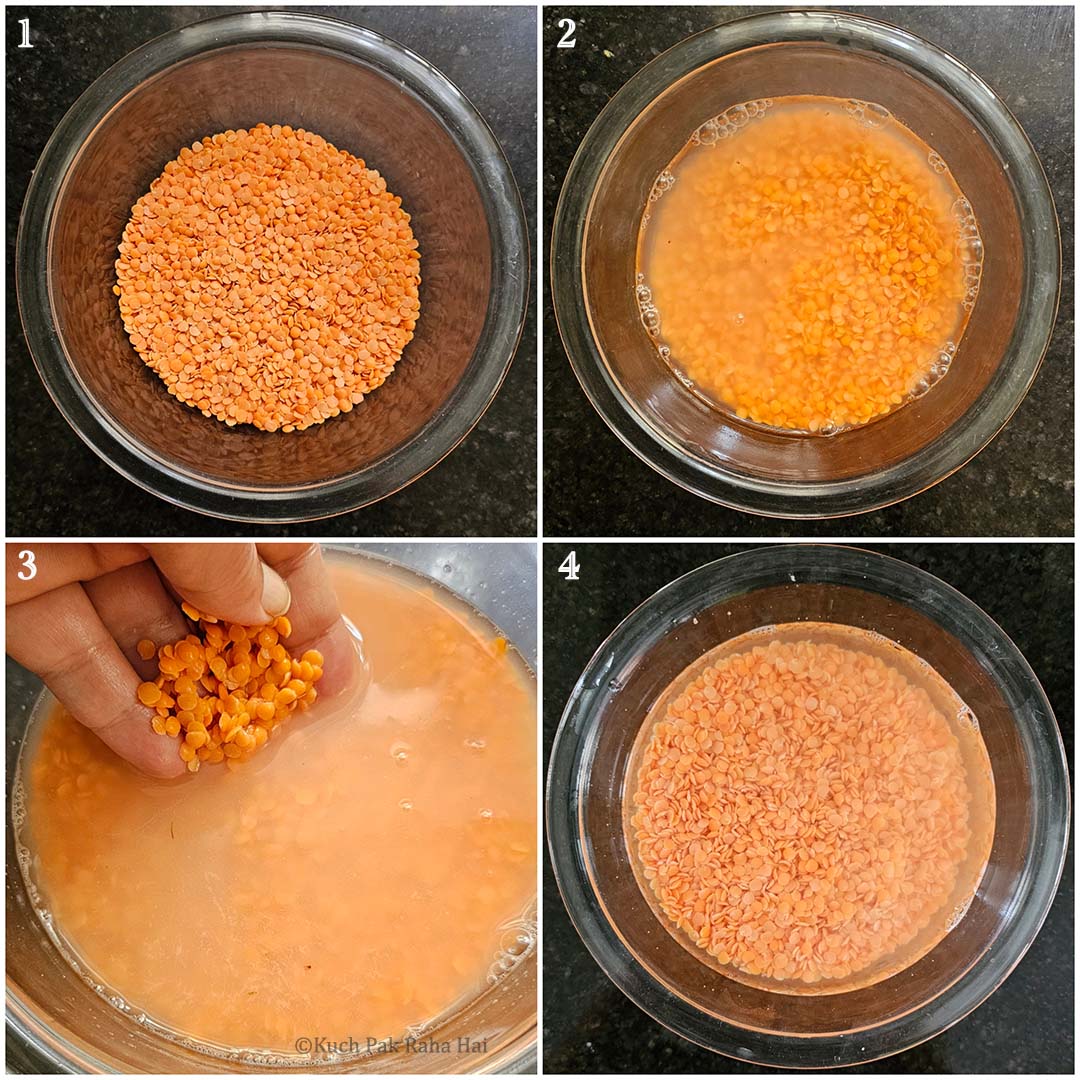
(324, 1046)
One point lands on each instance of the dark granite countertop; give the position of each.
(57, 486)
(1020, 485)
(1026, 1026)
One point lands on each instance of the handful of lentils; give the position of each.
(269, 278)
(222, 689)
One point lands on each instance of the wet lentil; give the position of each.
(227, 686)
(805, 266)
(803, 812)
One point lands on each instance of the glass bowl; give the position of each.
(678, 432)
(590, 773)
(364, 93)
(57, 1023)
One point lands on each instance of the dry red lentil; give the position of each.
(269, 278)
(227, 686)
(803, 812)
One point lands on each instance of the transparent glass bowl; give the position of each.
(590, 773)
(676, 431)
(366, 94)
(57, 1023)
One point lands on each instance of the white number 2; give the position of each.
(570, 567)
(29, 567)
(567, 41)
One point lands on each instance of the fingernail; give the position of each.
(276, 598)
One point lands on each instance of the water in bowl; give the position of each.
(812, 808)
(807, 264)
(369, 874)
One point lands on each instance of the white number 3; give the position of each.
(29, 567)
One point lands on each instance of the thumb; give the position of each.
(228, 581)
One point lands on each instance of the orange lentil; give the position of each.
(149, 693)
(803, 812)
(249, 240)
(808, 263)
(146, 649)
(217, 713)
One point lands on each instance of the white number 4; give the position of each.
(570, 567)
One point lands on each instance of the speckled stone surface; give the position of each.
(1020, 485)
(1026, 1026)
(58, 486)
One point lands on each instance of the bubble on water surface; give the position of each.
(476, 743)
(18, 805)
(729, 122)
(970, 249)
(406, 804)
(939, 368)
(400, 751)
(868, 113)
(518, 942)
(650, 317)
(965, 216)
(487, 814)
(661, 185)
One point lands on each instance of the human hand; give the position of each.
(77, 622)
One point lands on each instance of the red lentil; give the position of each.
(269, 278)
(803, 812)
(225, 687)
(804, 263)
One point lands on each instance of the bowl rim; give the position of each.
(795, 500)
(570, 762)
(499, 336)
